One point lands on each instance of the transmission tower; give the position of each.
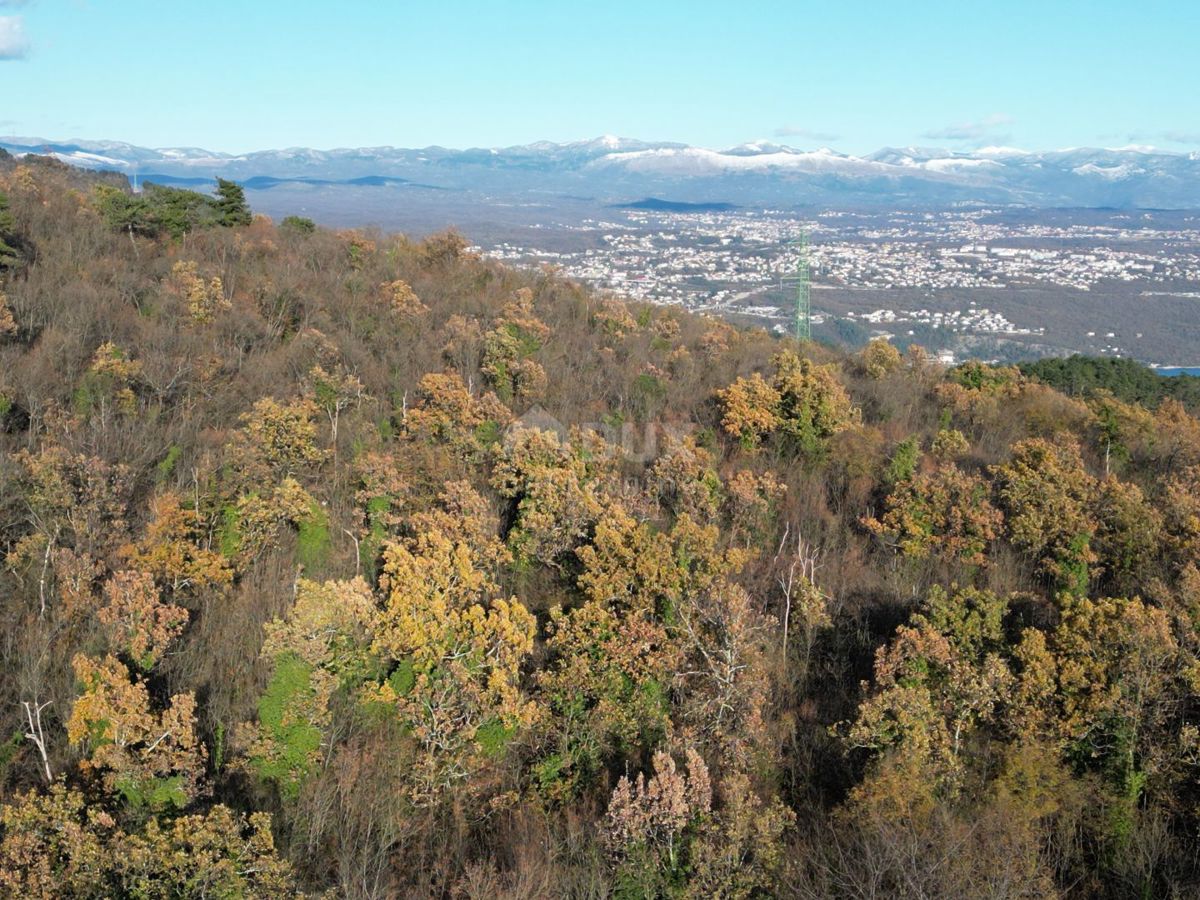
(803, 279)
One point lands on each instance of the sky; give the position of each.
(260, 74)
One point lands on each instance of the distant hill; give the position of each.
(613, 169)
(266, 182)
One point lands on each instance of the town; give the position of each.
(877, 269)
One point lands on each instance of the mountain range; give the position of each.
(618, 170)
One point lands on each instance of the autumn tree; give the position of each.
(553, 486)
(446, 412)
(1102, 687)
(949, 444)
(253, 522)
(276, 440)
(945, 513)
(321, 644)
(751, 500)
(813, 404)
(879, 359)
(750, 410)
(150, 758)
(1047, 495)
(684, 832)
(205, 299)
(75, 509)
(648, 820)
(9, 254)
(942, 677)
(978, 392)
(685, 481)
(456, 647)
(381, 495)
(741, 850)
(111, 379)
(1129, 534)
(56, 844)
(508, 349)
(606, 691)
(139, 624)
(1181, 510)
(8, 324)
(173, 550)
(403, 300)
(805, 402)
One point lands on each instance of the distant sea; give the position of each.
(1179, 370)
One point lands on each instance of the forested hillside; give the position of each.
(337, 564)
(1082, 376)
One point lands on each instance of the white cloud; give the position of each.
(973, 131)
(13, 43)
(810, 134)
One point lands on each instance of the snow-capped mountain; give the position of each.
(612, 168)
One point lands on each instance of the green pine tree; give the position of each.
(231, 204)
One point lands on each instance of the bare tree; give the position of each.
(33, 716)
(799, 580)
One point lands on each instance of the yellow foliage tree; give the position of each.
(605, 691)
(507, 349)
(879, 359)
(57, 845)
(750, 409)
(804, 401)
(457, 651)
(403, 300)
(149, 758)
(685, 480)
(171, 550)
(555, 487)
(446, 412)
(276, 440)
(1047, 497)
(945, 513)
(935, 683)
(204, 298)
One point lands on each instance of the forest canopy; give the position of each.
(334, 563)
(1125, 379)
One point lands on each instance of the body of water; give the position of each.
(1177, 370)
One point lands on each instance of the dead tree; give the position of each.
(33, 716)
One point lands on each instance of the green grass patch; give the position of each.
(294, 740)
(313, 543)
(230, 537)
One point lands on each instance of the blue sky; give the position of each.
(257, 74)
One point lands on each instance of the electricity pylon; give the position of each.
(803, 286)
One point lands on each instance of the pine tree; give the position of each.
(231, 206)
